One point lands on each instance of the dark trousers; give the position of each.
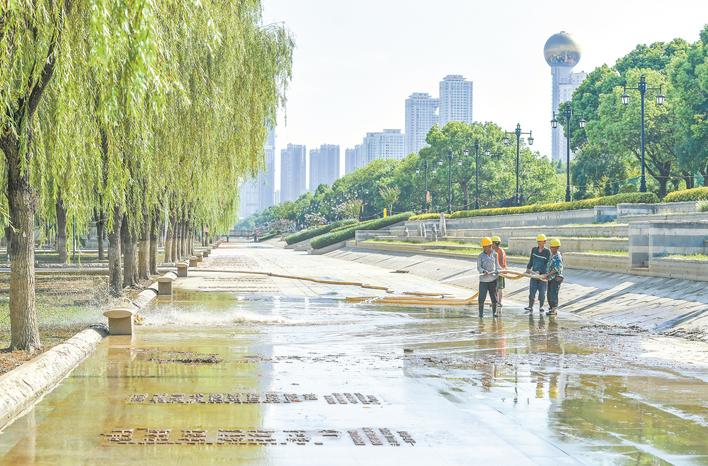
(484, 288)
(553, 289)
(540, 286)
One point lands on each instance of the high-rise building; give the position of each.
(349, 161)
(324, 165)
(388, 144)
(562, 53)
(248, 198)
(256, 194)
(421, 115)
(455, 99)
(266, 178)
(292, 172)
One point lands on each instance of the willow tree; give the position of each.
(232, 73)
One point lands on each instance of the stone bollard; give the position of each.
(120, 320)
(181, 269)
(206, 252)
(193, 261)
(164, 286)
(199, 256)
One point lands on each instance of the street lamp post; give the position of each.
(568, 114)
(426, 207)
(518, 133)
(449, 182)
(476, 171)
(643, 88)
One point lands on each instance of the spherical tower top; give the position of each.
(561, 50)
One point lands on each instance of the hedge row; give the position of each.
(317, 231)
(348, 233)
(631, 198)
(268, 236)
(695, 194)
(428, 216)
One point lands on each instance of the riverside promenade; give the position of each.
(239, 368)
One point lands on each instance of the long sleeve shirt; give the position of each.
(538, 261)
(490, 264)
(555, 266)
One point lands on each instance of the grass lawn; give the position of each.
(690, 257)
(65, 306)
(607, 252)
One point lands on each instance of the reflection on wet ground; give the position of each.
(214, 378)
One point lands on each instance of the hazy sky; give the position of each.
(356, 61)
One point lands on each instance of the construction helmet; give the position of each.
(496, 239)
(541, 237)
(555, 243)
(486, 241)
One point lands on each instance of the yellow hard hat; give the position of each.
(541, 237)
(555, 243)
(486, 241)
(496, 239)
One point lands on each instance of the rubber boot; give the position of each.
(495, 312)
(529, 309)
(481, 309)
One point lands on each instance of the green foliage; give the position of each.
(695, 194)
(608, 150)
(349, 232)
(427, 216)
(317, 231)
(268, 236)
(702, 206)
(562, 206)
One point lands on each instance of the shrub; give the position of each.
(427, 216)
(632, 198)
(695, 194)
(268, 236)
(702, 206)
(348, 233)
(317, 231)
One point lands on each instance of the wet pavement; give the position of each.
(276, 376)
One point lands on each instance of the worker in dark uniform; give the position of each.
(538, 263)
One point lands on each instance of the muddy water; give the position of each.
(216, 379)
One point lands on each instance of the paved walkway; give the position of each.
(667, 305)
(257, 370)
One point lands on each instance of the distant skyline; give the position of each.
(355, 63)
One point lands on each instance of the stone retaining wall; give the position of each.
(570, 244)
(660, 238)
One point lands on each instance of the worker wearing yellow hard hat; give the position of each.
(538, 264)
(501, 258)
(554, 275)
(488, 268)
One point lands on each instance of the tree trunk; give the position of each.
(22, 204)
(144, 248)
(128, 255)
(688, 178)
(466, 191)
(100, 231)
(175, 242)
(61, 229)
(180, 239)
(154, 235)
(168, 241)
(115, 279)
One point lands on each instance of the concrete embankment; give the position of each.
(23, 386)
(672, 306)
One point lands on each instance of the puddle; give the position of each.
(214, 377)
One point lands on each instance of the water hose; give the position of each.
(411, 298)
